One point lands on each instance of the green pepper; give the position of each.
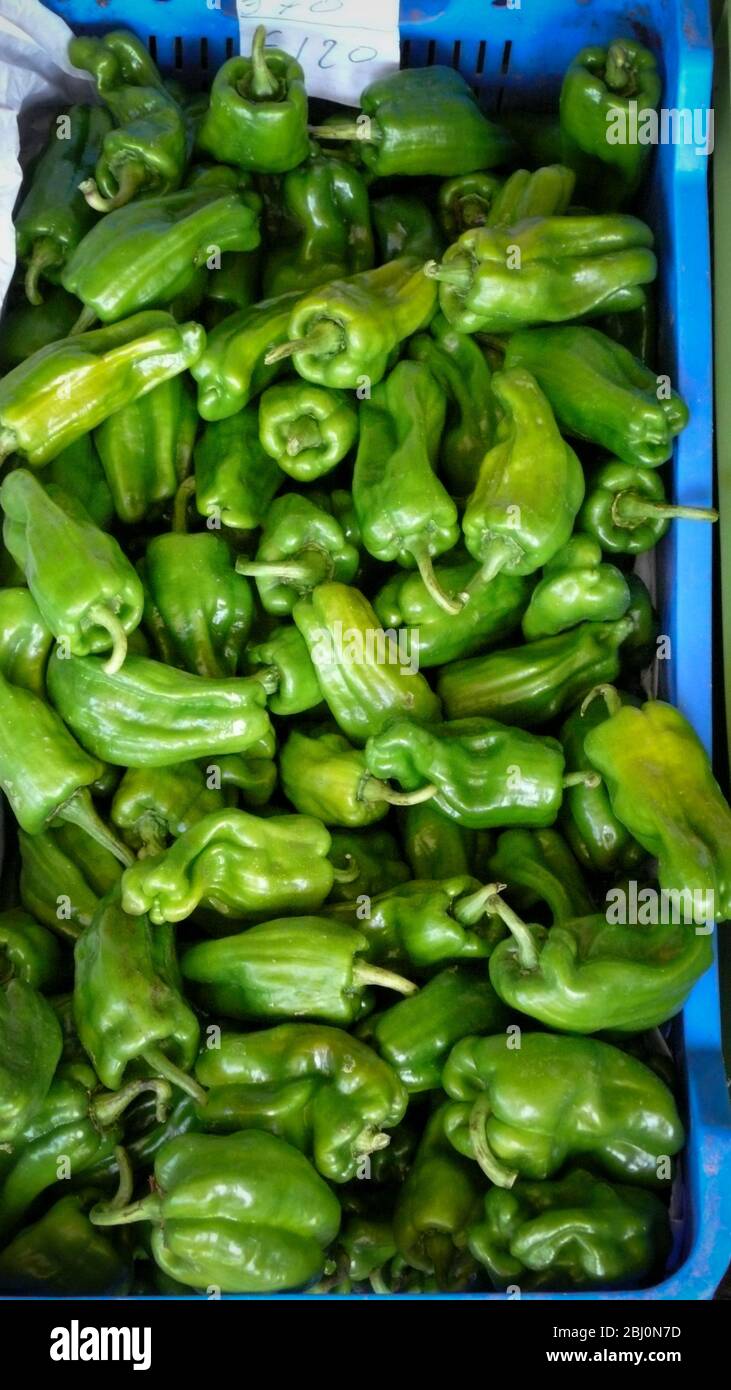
(537, 135)
(416, 1034)
(494, 610)
(62, 1254)
(365, 1246)
(544, 192)
(461, 369)
(27, 327)
(526, 1111)
(257, 117)
(626, 511)
(374, 859)
(662, 789)
(39, 413)
(600, 392)
(321, 1090)
(245, 1213)
(301, 546)
(284, 651)
(579, 1232)
(324, 776)
(128, 1004)
(598, 839)
(53, 216)
(28, 951)
(435, 846)
(361, 672)
(437, 1204)
(78, 472)
(146, 448)
(346, 332)
(404, 226)
(232, 369)
(576, 588)
(534, 683)
(233, 285)
(302, 967)
(150, 715)
(425, 923)
(606, 96)
(63, 874)
(636, 330)
(146, 150)
(640, 648)
(87, 591)
(478, 772)
(235, 479)
(30, 1047)
(529, 487)
(198, 609)
(25, 641)
(537, 866)
(161, 242)
(543, 270)
(421, 121)
(466, 201)
(307, 429)
(150, 808)
(324, 205)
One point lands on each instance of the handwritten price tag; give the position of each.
(339, 50)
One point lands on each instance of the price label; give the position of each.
(339, 50)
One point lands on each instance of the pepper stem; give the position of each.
(179, 522)
(323, 340)
(373, 789)
(490, 1165)
(130, 180)
(629, 507)
(86, 318)
(470, 909)
(431, 583)
(263, 82)
(306, 434)
(527, 950)
(79, 810)
(102, 616)
(156, 1058)
(346, 875)
(473, 210)
(123, 1195)
(45, 254)
(619, 70)
(499, 552)
(449, 274)
(366, 974)
(370, 1141)
(377, 1282)
(147, 1209)
(302, 574)
(347, 130)
(584, 778)
(609, 694)
(108, 1108)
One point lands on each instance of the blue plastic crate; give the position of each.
(515, 56)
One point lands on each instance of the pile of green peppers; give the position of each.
(327, 452)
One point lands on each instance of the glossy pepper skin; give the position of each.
(349, 329)
(524, 1112)
(284, 652)
(543, 270)
(301, 546)
(529, 487)
(146, 449)
(435, 1207)
(466, 201)
(86, 589)
(422, 121)
(373, 856)
(537, 866)
(54, 216)
(415, 1035)
(198, 609)
(128, 1003)
(235, 478)
(63, 874)
(231, 370)
(257, 116)
(146, 149)
(661, 786)
(322, 775)
(434, 845)
(28, 952)
(605, 92)
(482, 200)
(461, 370)
(327, 227)
(63, 1255)
(245, 1212)
(601, 393)
(321, 1090)
(363, 679)
(625, 509)
(30, 1047)
(25, 641)
(78, 471)
(576, 587)
(533, 683)
(142, 256)
(425, 923)
(293, 967)
(307, 429)
(405, 226)
(150, 715)
(493, 611)
(151, 808)
(599, 840)
(482, 773)
(579, 1232)
(243, 865)
(110, 367)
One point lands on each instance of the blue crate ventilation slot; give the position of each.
(514, 57)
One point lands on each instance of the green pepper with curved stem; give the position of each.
(316, 1087)
(322, 775)
(285, 652)
(86, 589)
(537, 866)
(461, 370)
(661, 786)
(415, 1035)
(421, 121)
(425, 923)
(626, 511)
(150, 715)
(526, 1111)
(301, 546)
(63, 874)
(246, 1213)
(235, 478)
(601, 393)
(78, 472)
(529, 487)
(232, 369)
(435, 1207)
(579, 1232)
(498, 279)
(576, 587)
(25, 641)
(27, 328)
(307, 429)
(301, 967)
(375, 857)
(466, 201)
(146, 150)
(362, 674)
(534, 683)
(62, 1254)
(198, 609)
(606, 93)
(146, 448)
(28, 951)
(348, 330)
(324, 205)
(405, 226)
(434, 845)
(128, 1004)
(109, 367)
(257, 115)
(599, 840)
(30, 1047)
(494, 610)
